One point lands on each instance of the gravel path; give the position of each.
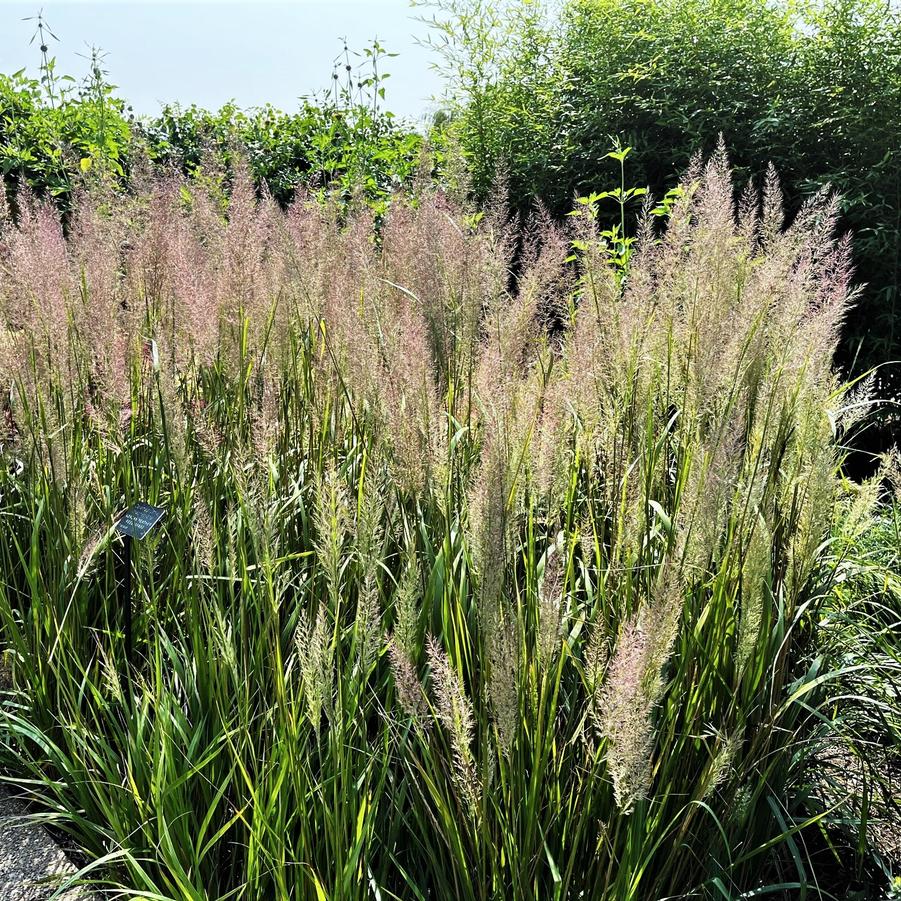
(32, 865)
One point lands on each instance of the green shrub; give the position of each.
(322, 146)
(52, 131)
(54, 135)
(813, 87)
(444, 605)
(341, 142)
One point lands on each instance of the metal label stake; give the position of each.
(135, 523)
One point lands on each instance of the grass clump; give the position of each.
(464, 590)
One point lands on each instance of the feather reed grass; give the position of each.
(464, 590)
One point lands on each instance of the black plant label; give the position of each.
(138, 520)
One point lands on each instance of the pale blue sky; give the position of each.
(210, 52)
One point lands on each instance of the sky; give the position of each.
(208, 52)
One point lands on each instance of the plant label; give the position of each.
(139, 520)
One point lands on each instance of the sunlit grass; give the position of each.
(461, 591)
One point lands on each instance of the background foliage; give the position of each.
(814, 88)
(342, 141)
(53, 128)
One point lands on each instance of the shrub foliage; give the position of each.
(812, 87)
(342, 142)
